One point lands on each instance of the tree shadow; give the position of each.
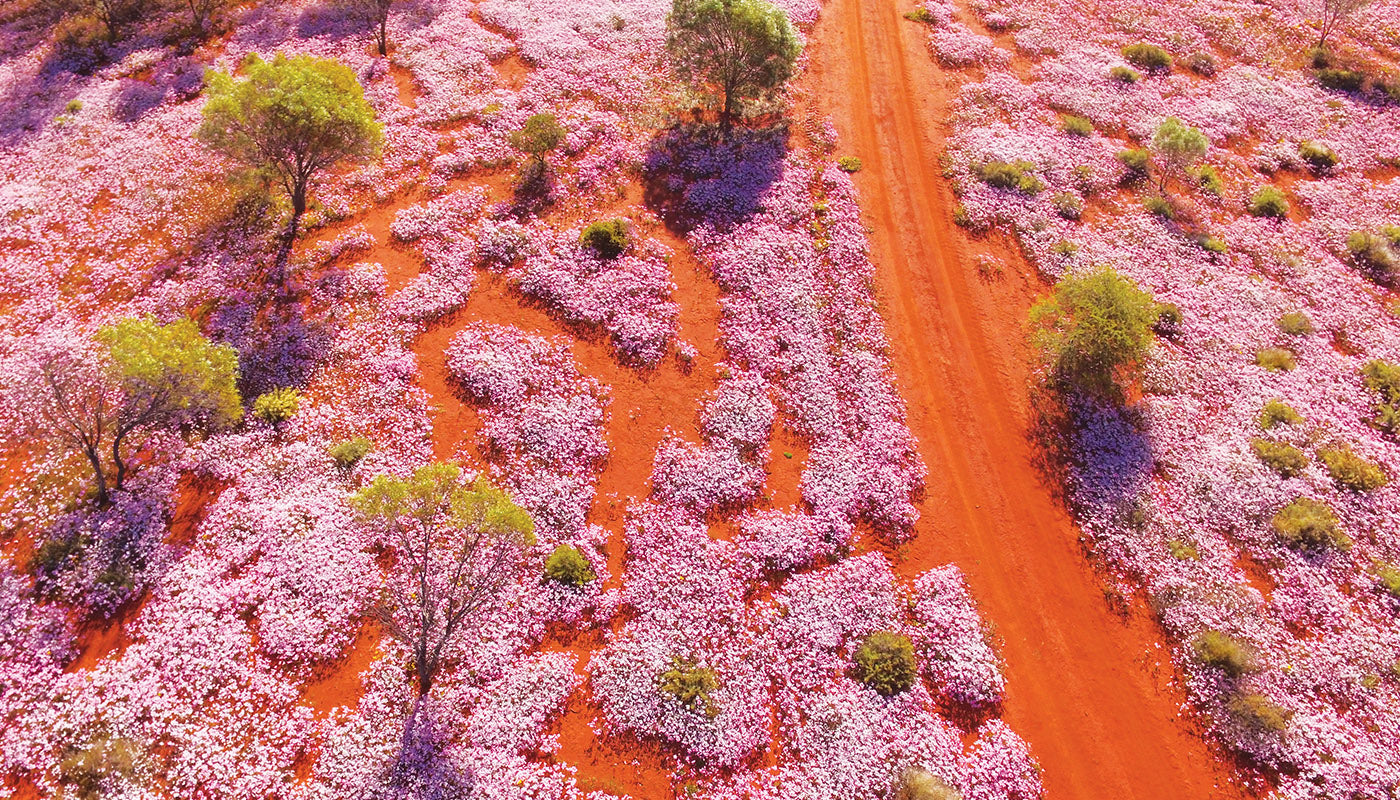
(422, 768)
(279, 342)
(696, 173)
(178, 80)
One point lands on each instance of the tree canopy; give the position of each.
(1176, 146)
(743, 48)
(293, 117)
(1094, 331)
(457, 546)
(540, 134)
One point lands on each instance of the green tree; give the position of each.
(1176, 146)
(151, 377)
(1094, 331)
(540, 134)
(1331, 15)
(744, 48)
(293, 118)
(456, 547)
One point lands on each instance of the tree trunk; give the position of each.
(726, 114)
(103, 497)
(384, 33)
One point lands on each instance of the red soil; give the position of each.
(1088, 689)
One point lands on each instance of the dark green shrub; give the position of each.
(849, 164)
(277, 406)
(691, 684)
(349, 453)
(885, 662)
(1276, 359)
(1200, 63)
(1351, 470)
(1125, 75)
(1159, 207)
(1147, 56)
(608, 238)
(1094, 332)
(1341, 80)
(1383, 378)
(1277, 412)
(1209, 180)
(1319, 156)
(1283, 458)
(1269, 202)
(1168, 322)
(1377, 254)
(56, 553)
(1068, 205)
(1223, 652)
(1015, 176)
(1137, 161)
(1307, 524)
(1260, 713)
(1320, 57)
(568, 566)
(1295, 323)
(1077, 126)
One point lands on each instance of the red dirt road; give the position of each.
(1089, 691)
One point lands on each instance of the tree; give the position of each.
(293, 117)
(1094, 331)
(745, 48)
(540, 134)
(1332, 13)
(150, 377)
(378, 13)
(456, 547)
(1176, 146)
(203, 13)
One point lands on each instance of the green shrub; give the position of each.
(1077, 126)
(608, 238)
(74, 106)
(1377, 254)
(1223, 652)
(1068, 205)
(1168, 321)
(691, 684)
(1283, 458)
(1295, 323)
(885, 662)
(1065, 248)
(81, 40)
(56, 553)
(84, 769)
(1351, 470)
(568, 566)
(1137, 161)
(1269, 202)
(1160, 207)
(920, 14)
(1094, 332)
(1004, 175)
(1147, 56)
(277, 406)
(1342, 80)
(919, 784)
(1260, 713)
(1307, 524)
(1209, 180)
(349, 453)
(1201, 63)
(1319, 156)
(1277, 412)
(1383, 378)
(849, 163)
(1276, 359)
(540, 134)
(1319, 57)
(1182, 550)
(1214, 244)
(1125, 75)
(1388, 578)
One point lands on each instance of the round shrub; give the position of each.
(1351, 470)
(1159, 207)
(1200, 63)
(920, 784)
(1168, 322)
(1383, 378)
(1376, 254)
(1223, 652)
(349, 453)
(1269, 202)
(1147, 56)
(1306, 524)
(1125, 74)
(1260, 713)
(608, 238)
(1319, 156)
(277, 406)
(1276, 412)
(1214, 244)
(1004, 175)
(568, 566)
(885, 662)
(1077, 126)
(691, 684)
(1388, 578)
(1283, 458)
(1209, 180)
(849, 163)
(1276, 359)
(1068, 205)
(1341, 80)
(1295, 323)
(1136, 160)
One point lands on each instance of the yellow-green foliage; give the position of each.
(1269, 202)
(348, 453)
(1307, 524)
(920, 784)
(1094, 331)
(1276, 359)
(172, 373)
(691, 684)
(1283, 458)
(567, 565)
(277, 406)
(1010, 175)
(1259, 712)
(1295, 323)
(1383, 378)
(1351, 470)
(885, 662)
(1224, 652)
(1277, 412)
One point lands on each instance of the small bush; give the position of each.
(1065, 248)
(1307, 524)
(1125, 75)
(1159, 207)
(1260, 713)
(1209, 180)
(350, 452)
(1319, 57)
(1283, 458)
(1388, 578)
(608, 238)
(691, 684)
(1295, 323)
(849, 163)
(1214, 244)
(1004, 175)
(885, 663)
(1223, 652)
(277, 406)
(1269, 202)
(1147, 56)
(1136, 160)
(1094, 332)
(1276, 359)
(920, 14)
(54, 554)
(73, 106)
(567, 565)
(919, 784)
(1077, 126)
(1383, 378)
(1168, 322)
(1319, 156)
(1183, 551)
(1341, 80)
(81, 41)
(85, 768)
(1068, 205)
(1200, 63)
(1376, 254)
(1277, 412)
(1351, 470)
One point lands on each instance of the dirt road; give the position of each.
(1089, 691)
